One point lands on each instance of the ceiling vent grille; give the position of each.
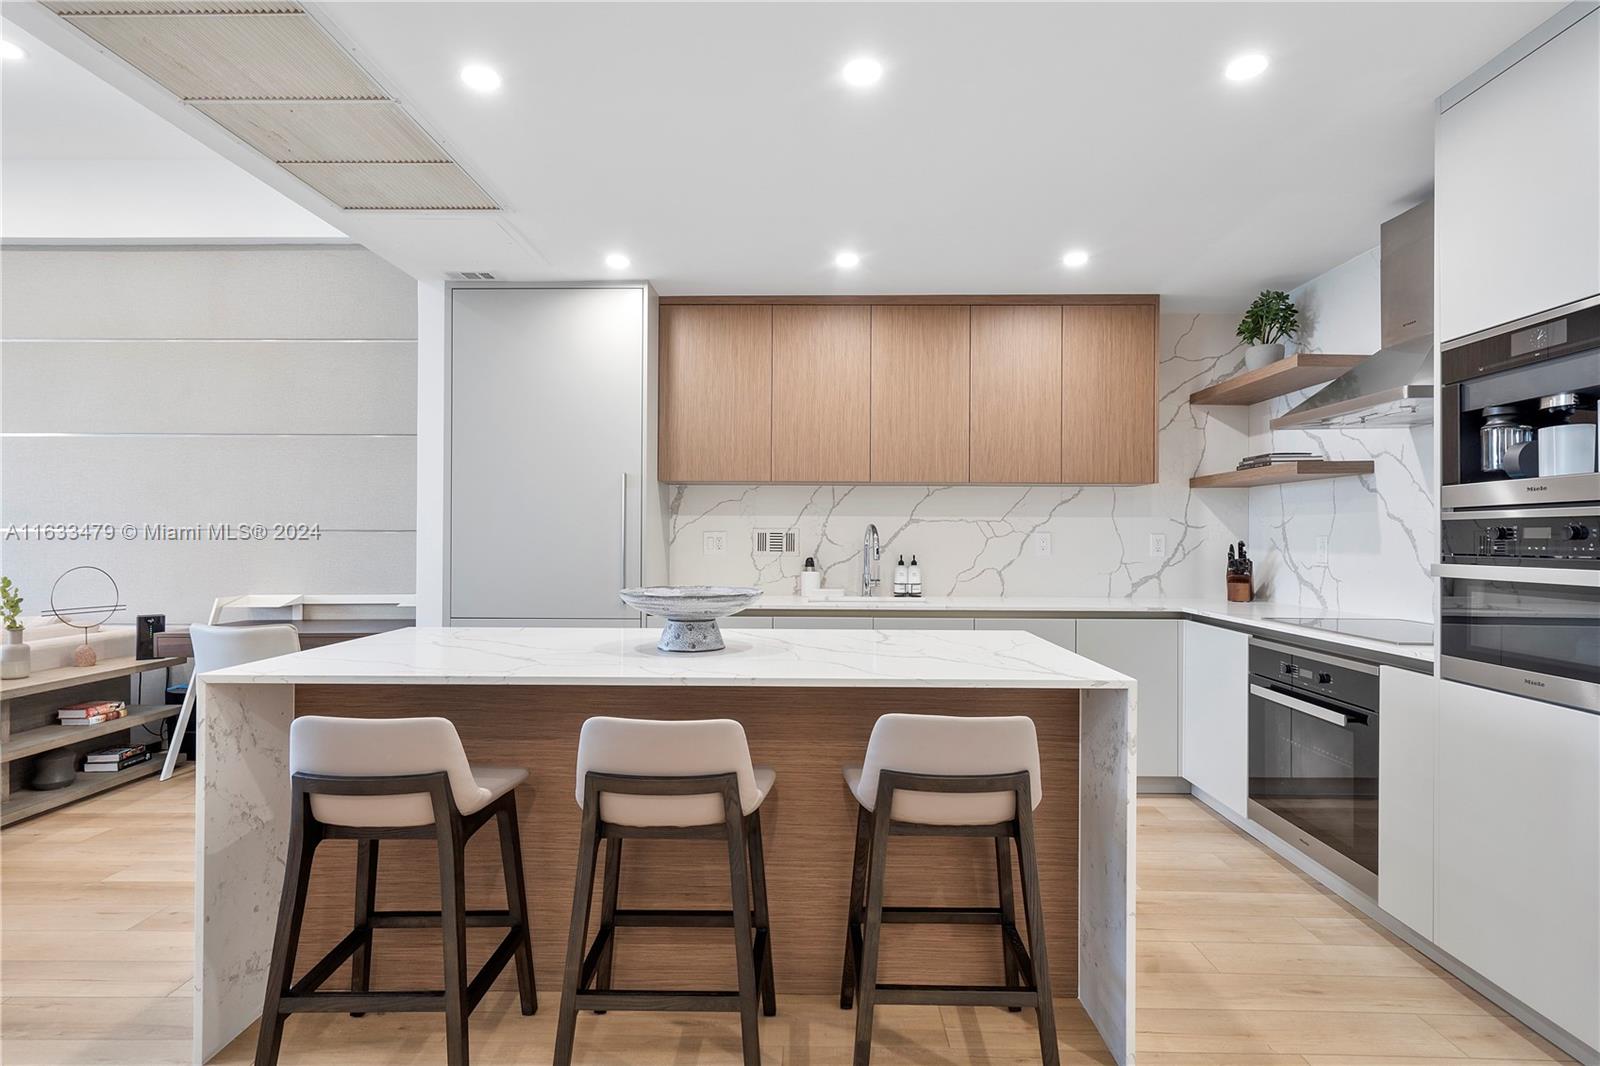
(471, 275)
(270, 75)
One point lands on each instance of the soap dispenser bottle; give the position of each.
(900, 577)
(810, 578)
(914, 578)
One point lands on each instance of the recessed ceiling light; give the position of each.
(862, 72)
(1075, 258)
(1245, 67)
(480, 78)
(11, 51)
(847, 260)
(618, 261)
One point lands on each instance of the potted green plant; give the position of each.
(16, 660)
(1269, 321)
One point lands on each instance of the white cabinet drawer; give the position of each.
(1215, 726)
(1407, 745)
(1146, 649)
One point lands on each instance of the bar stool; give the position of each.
(679, 781)
(935, 775)
(402, 778)
(216, 648)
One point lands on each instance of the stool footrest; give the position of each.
(943, 916)
(642, 999)
(431, 919)
(957, 995)
(676, 919)
(412, 1002)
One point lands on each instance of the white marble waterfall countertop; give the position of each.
(1260, 617)
(551, 656)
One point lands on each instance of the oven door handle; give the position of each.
(1303, 706)
(1520, 575)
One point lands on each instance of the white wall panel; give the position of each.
(169, 293)
(340, 482)
(208, 387)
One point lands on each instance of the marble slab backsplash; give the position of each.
(1356, 543)
(984, 539)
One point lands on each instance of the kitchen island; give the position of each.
(807, 700)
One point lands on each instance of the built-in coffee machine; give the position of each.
(1517, 413)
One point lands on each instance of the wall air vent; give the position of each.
(270, 75)
(775, 542)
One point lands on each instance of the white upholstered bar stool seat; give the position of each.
(947, 744)
(646, 748)
(391, 747)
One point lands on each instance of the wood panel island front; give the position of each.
(807, 700)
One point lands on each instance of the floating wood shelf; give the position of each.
(1290, 374)
(48, 738)
(1280, 474)
(25, 803)
(63, 677)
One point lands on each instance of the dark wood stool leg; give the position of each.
(453, 931)
(366, 902)
(872, 927)
(1049, 1049)
(517, 901)
(743, 947)
(758, 892)
(858, 900)
(1008, 910)
(609, 890)
(303, 841)
(578, 930)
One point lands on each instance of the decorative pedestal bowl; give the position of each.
(691, 612)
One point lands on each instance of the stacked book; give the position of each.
(110, 760)
(92, 713)
(1251, 462)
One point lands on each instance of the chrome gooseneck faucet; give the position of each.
(869, 560)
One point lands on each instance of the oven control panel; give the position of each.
(1567, 537)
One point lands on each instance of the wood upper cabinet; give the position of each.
(1108, 394)
(921, 371)
(1016, 395)
(716, 393)
(821, 393)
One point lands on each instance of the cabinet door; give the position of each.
(1016, 395)
(1146, 649)
(821, 393)
(941, 622)
(1407, 739)
(920, 392)
(1516, 167)
(1518, 839)
(547, 443)
(1215, 725)
(1062, 632)
(837, 621)
(1108, 395)
(716, 393)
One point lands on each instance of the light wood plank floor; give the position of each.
(1242, 961)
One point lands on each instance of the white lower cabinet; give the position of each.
(1215, 724)
(1517, 894)
(896, 622)
(1407, 744)
(1062, 632)
(1146, 649)
(740, 621)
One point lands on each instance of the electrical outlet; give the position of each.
(1041, 544)
(1322, 549)
(714, 542)
(1158, 545)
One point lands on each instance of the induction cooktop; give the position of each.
(1388, 630)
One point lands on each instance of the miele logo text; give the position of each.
(1531, 681)
(1536, 488)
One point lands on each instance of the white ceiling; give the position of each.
(716, 145)
(81, 161)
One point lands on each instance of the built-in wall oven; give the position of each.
(1314, 756)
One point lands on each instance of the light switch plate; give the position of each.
(714, 542)
(1158, 545)
(1041, 544)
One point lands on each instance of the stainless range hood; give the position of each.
(1394, 386)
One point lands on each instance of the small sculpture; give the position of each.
(99, 600)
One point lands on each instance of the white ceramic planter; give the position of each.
(1259, 355)
(15, 658)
